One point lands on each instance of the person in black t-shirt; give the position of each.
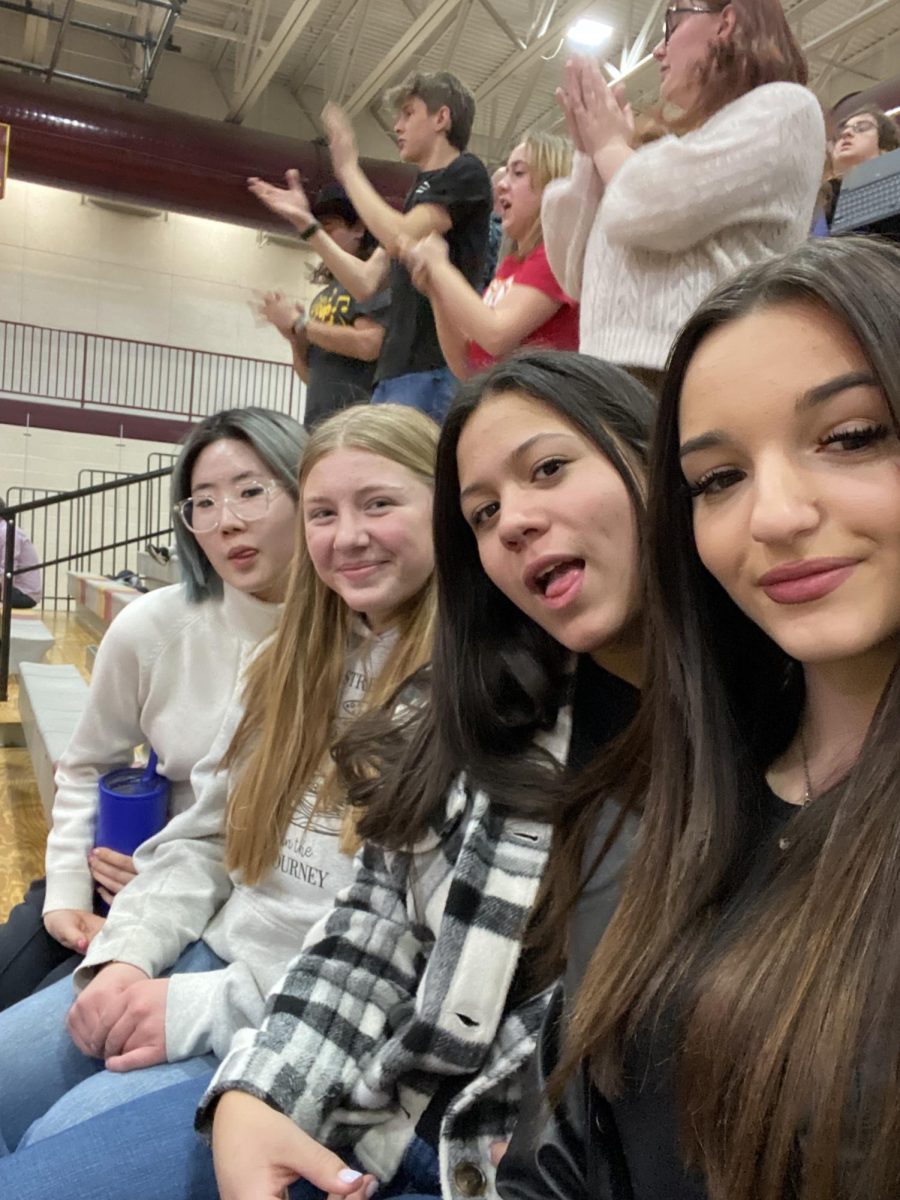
(336, 345)
(451, 196)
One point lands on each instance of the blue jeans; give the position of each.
(147, 1150)
(428, 391)
(48, 1085)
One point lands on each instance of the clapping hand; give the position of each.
(289, 201)
(278, 310)
(341, 141)
(597, 115)
(421, 258)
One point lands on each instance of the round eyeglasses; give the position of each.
(674, 12)
(203, 513)
(864, 126)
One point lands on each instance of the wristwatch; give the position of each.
(310, 231)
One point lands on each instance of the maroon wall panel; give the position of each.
(86, 140)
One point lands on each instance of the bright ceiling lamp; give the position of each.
(589, 33)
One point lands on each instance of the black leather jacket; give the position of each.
(572, 1153)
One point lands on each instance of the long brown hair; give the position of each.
(762, 49)
(788, 1055)
(294, 683)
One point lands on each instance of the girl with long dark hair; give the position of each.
(735, 1036)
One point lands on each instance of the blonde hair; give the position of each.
(293, 685)
(549, 157)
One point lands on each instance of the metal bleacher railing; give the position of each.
(90, 370)
(93, 528)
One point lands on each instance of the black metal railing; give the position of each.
(95, 371)
(76, 536)
(71, 530)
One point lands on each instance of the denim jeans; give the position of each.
(147, 1150)
(48, 1085)
(428, 391)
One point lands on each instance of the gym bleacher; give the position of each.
(51, 652)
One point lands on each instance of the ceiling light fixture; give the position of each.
(589, 33)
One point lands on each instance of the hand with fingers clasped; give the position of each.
(258, 1153)
(598, 116)
(100, 1006)
(111, 871)
(73, 927)
(422, 258)
(138, 1038)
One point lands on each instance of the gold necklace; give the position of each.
(784, 842)
(807, 782)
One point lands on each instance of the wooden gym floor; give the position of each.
(23, 830)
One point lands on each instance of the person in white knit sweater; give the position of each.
(165, 672)
(226, 893)
(641, 233)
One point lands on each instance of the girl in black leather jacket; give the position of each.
(734, 1035)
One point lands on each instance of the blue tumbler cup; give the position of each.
(133, 806)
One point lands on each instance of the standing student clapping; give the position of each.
(645, 227)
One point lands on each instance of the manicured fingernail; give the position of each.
(371, 1189)
(348, 1176)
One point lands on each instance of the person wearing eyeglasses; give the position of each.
(863, 135)
(165, 671)
(227, 892)
(726, 174)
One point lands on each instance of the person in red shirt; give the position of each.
(523, 305)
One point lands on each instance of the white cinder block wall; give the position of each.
(52, 458)
(181, 281)
(177, 280)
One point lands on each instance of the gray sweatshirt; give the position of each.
(184, 892)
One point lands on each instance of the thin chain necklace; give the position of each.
(784, 842)
(807, 782)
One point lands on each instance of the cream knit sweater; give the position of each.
(682, 215)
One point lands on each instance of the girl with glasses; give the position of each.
(735, 1034)
(164, 674)
(227, 892)
(646, 226)
(392, 1048)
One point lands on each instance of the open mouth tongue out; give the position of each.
(556, 582)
